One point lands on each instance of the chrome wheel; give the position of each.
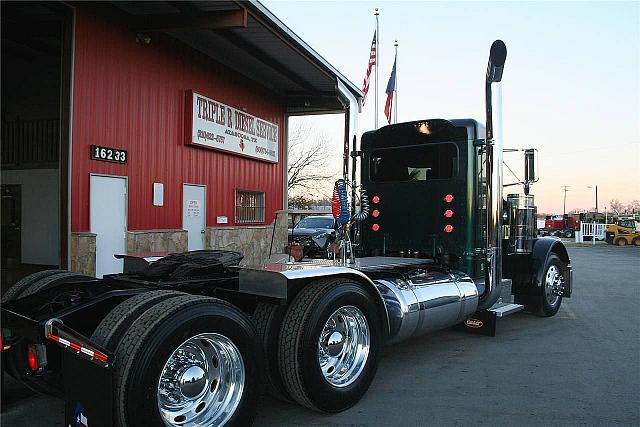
(201, 383)
(343, 347)
(553, 285)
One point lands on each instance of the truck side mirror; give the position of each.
(529, 165)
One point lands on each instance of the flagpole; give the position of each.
(377, 62)
(395, 113)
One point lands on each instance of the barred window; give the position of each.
(249, 207)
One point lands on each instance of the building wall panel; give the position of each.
(132, 96)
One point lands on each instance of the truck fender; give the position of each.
(373, 290)
(542, 249)
(283, 282)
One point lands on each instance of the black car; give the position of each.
(314, 233)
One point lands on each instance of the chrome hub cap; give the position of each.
(201, 382)
(335, 342)
(192, 381)
(553, 285)
(343, 347)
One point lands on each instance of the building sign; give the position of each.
(108, 154)
(218, 126)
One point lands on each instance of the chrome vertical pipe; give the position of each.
(493, 147)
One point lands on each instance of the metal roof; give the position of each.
(261, 48)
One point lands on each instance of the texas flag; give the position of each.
(391, 87)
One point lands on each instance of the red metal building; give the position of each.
(170, 128)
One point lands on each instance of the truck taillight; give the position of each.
(375, 227)
(32, 358)
(376, 199)
(448, 198)
(448, 213)
(375, 213)
(448, 228)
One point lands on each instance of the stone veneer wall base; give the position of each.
(83, 253)
(253, 241)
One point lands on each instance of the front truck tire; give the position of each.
(329, 344)
(188, 360)
(551, 298)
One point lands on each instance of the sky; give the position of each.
(571, 84)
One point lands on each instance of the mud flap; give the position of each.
(482, 322)
(88, 392)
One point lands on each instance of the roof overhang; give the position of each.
(247, 38)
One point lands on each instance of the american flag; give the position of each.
(372, 62)
(391, 87)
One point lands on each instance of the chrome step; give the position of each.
(502, 310)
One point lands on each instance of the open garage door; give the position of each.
(36, 63)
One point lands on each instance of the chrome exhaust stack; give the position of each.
(494, 147)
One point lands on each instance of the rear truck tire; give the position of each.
(551, 297)
(115, 324)
(268, 318)
(636, 241)
(53, 280)
(15, 360)
(188, 360)
(16, 289)
(621, 241)
(330, 344)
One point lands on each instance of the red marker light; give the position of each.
(376, 199)
(448, 213)
(448, 198)
(375, 227)
(376, 213)
(32, 358)
(448, 228)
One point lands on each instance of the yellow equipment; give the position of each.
(625, 232)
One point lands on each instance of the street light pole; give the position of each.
(596, 190)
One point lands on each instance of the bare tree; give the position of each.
(616, 205)
(308, 159)
(634, 206)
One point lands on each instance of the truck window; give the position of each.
(414, 163)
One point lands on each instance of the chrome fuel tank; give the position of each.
(426, 302)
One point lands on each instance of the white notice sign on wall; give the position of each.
(193, 208)
(216, 125)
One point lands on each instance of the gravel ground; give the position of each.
(581, 367)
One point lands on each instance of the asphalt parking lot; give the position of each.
(581, 367)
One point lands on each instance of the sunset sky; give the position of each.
(571, 85)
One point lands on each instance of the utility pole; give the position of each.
(564, 204)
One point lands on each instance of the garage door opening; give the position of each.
(36, 64)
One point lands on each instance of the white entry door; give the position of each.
(194, 203)
(108, 219)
